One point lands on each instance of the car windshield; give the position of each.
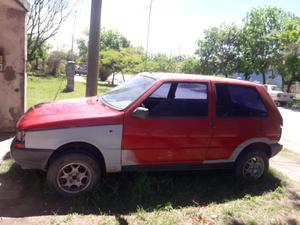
(122, 96)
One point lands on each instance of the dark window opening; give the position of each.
(238, 101)
(178, 100)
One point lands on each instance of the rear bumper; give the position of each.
(275, 149)
(30, 158)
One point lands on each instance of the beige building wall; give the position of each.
(13, 71)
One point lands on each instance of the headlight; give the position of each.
(279, 95)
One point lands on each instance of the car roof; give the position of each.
(195, 77)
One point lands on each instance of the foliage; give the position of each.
(56, 62)
(45, 19)
(109, 40)
(133, 60)
(126, 60)
(218, 50)
(162, 63)
(259, 44)
(267, 39)
(190, 65)
(289, 62)
(83, 50)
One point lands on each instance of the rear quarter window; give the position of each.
(239, 101)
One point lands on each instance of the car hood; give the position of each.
(89, 111)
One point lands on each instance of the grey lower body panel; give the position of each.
(275, 149)
(178, 167)
(31, 158)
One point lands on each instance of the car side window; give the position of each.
(191, 91)
(238, 101)
(181, 100)
(162, 91)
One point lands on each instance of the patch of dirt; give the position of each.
(294, 196)
(288, 167)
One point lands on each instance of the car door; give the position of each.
(176, 130)
(238, 117)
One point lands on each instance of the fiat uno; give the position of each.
(153, 122)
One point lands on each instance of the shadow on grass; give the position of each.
(119, 194)
(295, 197)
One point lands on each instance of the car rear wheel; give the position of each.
(73, 174)
(252, 165)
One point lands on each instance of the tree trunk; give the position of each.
(113, 78)
(264, 78)
(123, 76)
(290, 84)
(44, 65)
(36, 66)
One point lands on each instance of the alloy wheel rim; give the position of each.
(74, 177)
(254, 167)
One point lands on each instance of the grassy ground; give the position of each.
(155, 198)
(45, 89)
(296, 100)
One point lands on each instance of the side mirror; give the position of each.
(141, 112)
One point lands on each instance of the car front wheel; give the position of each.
(252, 165)
(73, 174)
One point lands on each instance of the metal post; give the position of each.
(94, 47)
(148, 33)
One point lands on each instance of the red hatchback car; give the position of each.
(153, 122)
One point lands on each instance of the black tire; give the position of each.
(259, 161)
(73, 174)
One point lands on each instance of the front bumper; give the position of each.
(275, 149)
(30, 158)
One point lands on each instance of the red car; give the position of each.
(152, 122)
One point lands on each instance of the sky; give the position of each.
(175, 25)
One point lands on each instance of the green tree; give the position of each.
(127, 60)
(83, 51)
(260, 45)
(132, 60)
(109, 40)
(289, 62)
(218, 50)
(56, 61)
(190, 65)
(162, 63)
(39, 56)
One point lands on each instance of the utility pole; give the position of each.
(94, 47)
(148, 33)
(73, 37)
